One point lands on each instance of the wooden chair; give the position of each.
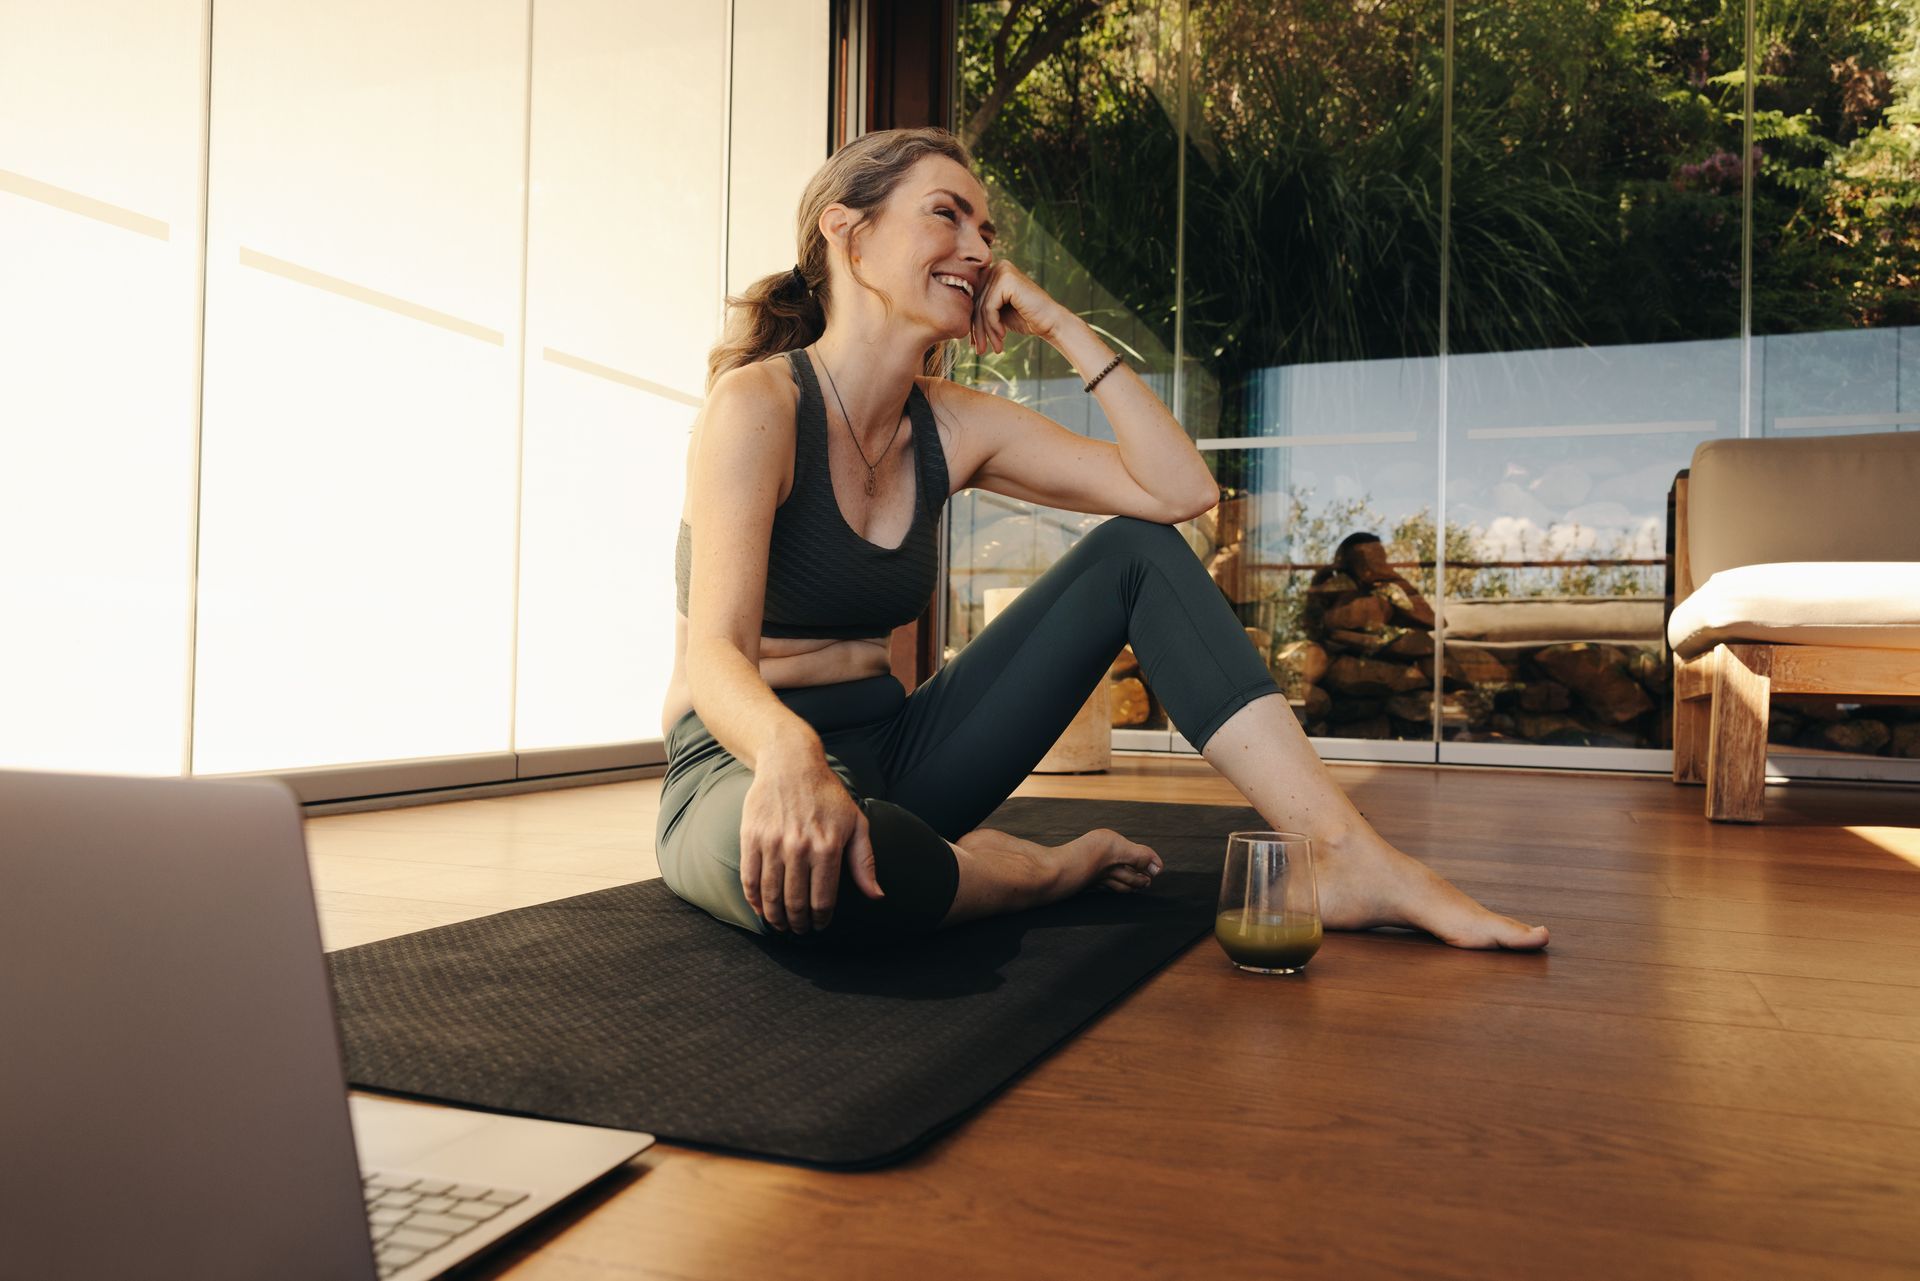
(1796, 571)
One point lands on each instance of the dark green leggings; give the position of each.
(927, 767)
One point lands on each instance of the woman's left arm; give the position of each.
(1155, 447)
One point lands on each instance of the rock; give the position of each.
(1354, 709)
(1863, 735)
(1318, 703)
(1373, 678)
(1822, 711)
(1540, 726)
(1298, 665)
(1372, 727)
(1229, 569)
(1597, 674)
(1361, 614)
(1650, 669)
(1905, 741)
(1358, 642)
(1126, 664)
(1129, 697)
(1410, 643)
(1470, 665)
(1415, 707)
(1784, 725)
(1545, 696)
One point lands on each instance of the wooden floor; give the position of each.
(1714, 1070)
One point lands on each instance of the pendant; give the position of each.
(869, 482)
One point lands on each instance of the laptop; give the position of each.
(172, 1096)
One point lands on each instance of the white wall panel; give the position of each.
(102, 120)
(360, 420)
(780, 63)
(624, 273)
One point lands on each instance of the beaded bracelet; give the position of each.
(1103, 373)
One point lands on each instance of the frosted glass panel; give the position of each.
(100, 163)
(360, 421)
(624, 278)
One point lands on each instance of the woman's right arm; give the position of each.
(798, 820)
(740, 448)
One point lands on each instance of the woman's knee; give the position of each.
(918, 875)
(1136, 534)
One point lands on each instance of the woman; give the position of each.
(810, 795)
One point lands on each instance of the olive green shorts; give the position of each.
(928, 767)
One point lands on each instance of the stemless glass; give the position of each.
(1269, 917)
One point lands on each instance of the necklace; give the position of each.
(849, 421)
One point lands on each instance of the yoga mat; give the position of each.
(632, 1008)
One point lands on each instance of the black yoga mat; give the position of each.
(632, 1008)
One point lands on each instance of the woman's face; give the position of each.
(933, 231)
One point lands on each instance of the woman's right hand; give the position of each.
(798, 821)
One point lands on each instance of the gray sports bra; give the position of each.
(823, 578)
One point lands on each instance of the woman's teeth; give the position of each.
(956, 283)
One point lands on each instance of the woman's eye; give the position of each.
(946, 213)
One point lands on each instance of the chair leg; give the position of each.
(1737, 733)
(1690, 731)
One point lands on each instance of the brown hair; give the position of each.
(781, 312)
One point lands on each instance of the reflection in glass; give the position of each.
(1487, 347)
(1311, 315)
(1836, 262)
(1594, 326)
(1071, 118)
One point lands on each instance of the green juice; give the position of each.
(1268, 940)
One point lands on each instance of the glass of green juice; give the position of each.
(1269, 917)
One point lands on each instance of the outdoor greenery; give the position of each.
(1596, 179)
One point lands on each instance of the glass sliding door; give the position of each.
(1457, 289)
(1594, 340)
(1836, 288)
(1074, 122)
(1310, 331)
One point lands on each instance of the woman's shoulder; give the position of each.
(770, 377)
(758, 393)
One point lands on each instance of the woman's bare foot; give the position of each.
(1101, 858)
(1363, 882)
(1111, 861)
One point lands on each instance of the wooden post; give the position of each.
(1691, 728)
(1737, 738)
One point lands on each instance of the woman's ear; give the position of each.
(836, 222)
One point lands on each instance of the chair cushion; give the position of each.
(1528, 621)
(1821, 498)
(1871, 604)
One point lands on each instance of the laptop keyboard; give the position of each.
(412, 1217)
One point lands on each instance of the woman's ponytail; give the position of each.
(776, 313)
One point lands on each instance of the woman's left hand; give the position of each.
(1009, 301)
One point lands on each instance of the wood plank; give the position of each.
(1692, 726)
(1693, 677)
(1841, 1007)
(1737, 733)
(1837, 671)
(1682, 550)
(1709, 1071)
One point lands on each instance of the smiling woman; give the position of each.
(808, 792)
